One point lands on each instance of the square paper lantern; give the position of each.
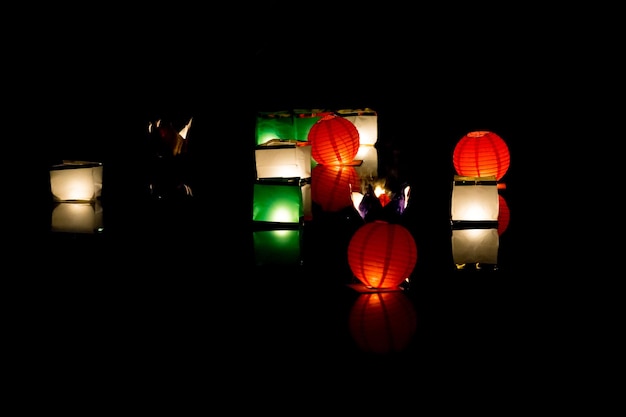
(475, 246)
(474, 199)
(277, 246)
(283, 159)
(74, 217)
(368, 157)
(274, 125)
(278, 201)
(366, 122)
(76, 181)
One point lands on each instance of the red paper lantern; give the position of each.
(334, 140)
(481, 154)
(332, 185)
(504, 214)
(382, 322)
(382, 254)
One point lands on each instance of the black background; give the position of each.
(169, 292)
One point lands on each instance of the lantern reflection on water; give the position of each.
(382, 322)
(332, 185)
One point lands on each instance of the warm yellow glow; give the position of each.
(77, 218)
(378, 191)
(475, 199)
(76, 181)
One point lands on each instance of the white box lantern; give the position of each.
(368, 157)
(365, 121)
(283, 159)
(76, 181)
(474, 199)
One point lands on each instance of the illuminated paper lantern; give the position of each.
(383, 322)
(334, 141)
(481, 154)
(76, 181)
(474, 199)
(274, 125)
(475, 210)
(332, 185)
(475, 246)
(365, 121)
(277, 247)
(77, 217)
(382, 255)
(283, 159)
(277, 201)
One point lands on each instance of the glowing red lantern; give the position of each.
(504, 214)
(481, 154)
(382, 254)
(334, 140)
(332, 185)
(382, 322)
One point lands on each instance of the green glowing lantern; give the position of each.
(278, 201)
(274, 125)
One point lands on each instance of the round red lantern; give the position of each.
(332, 185)
(504, 215)
(382, 322)
(481, 154)
(382, 254)
(334, 140)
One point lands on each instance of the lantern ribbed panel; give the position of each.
(382, 322)
(504, 214)
(481, 154)
(334, 140)
(332, 185)
(382, 254)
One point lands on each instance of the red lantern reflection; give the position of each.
(504, 215)
(382, 255)
(383, 322)
(481, 154)
(332, 185)
(334, 140)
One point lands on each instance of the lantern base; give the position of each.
(477, 266)
(363, 289)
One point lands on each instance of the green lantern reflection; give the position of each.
(277, 247)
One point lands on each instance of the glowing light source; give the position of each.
(334, 141)
(277, 201)
(474, 199)
(382, 255)
(481, 154)
(475, 207)
(76, 181)
(283, 159)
